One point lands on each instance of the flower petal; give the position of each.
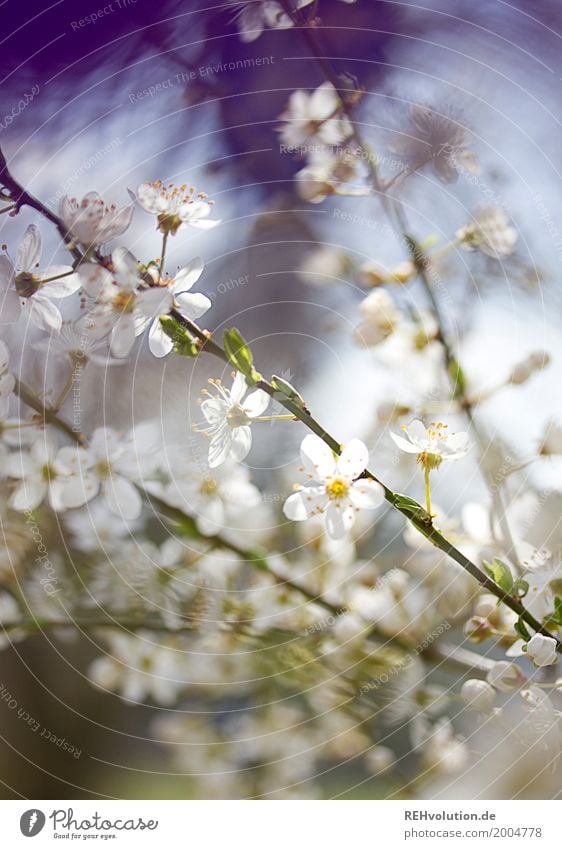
(339, 519)
(29, 249)
(239, 388)
(404, 445)
(193, 305)
(317, 459)
(256, 403)
(353, 459)
(160, 345)
(188, 276)
(241, 443)
(366, 494)
(122, 497)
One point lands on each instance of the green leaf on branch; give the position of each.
(239, 354)
(184, 343)
(521, 629)
(414, 511)
(284, 389)
(500, 574)
(520, 588)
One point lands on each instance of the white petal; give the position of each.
(241, 443)
(29, 494)
(60, 288)
(324, 101)
(239, 388)
(404, 445)
(353, 459)
(10, 306)
(339, 519)
(43, 313)
(214, 410)
(188, 276)
(417, 432)
(304, 503)
(155, 301)
(366, 494)
(123, 336)
(159, 343)
(219, 448)
(256, 403)
(122, 498)
(317, 459)
(193, 305)
(29, 249)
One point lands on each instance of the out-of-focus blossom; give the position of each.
(380, 317)
(323, 266)
(505, 676)
(479, 695)
(191, 305)
(521, 372)
(212, 497)
(436, 139)
(489, 232)
(124, 303)
(314, 118)
(253, 16)
(176, 206)
(432, 444)
(112, 464)
(41, 474)
(22, 289)
(228, 419)
(333, 488)
(441, 750)
(92, 222)
(327, 172)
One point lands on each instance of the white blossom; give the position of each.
(41, 474)
(479, 695)
(214, 497)
(111, 465)
(229, 417)
(315, 117)
(253, 16)
(380, 318)
(333, 487)
(191, 305)
(124, 303)
(505, 676)
(175, 207)
(22, 288)
(542, 650)
(489, 232)
(432, 444)
(93, 222)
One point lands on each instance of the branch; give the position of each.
(411, 509)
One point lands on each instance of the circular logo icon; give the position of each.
(32, 822)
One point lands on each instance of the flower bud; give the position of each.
(403, 272)
(371, 274)
(478, 695)
(542, 650)
(485, 605)
(505, 676)
(477, 629)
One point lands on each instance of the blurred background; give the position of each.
(169, 91)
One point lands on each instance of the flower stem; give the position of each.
(427, 491)
(273, 418)
(163, 256)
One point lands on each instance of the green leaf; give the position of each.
(184, 343)
(413, 510)
(521, 629)
(520, 588)
(500, 573)
(239, 354)
(286, 390)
